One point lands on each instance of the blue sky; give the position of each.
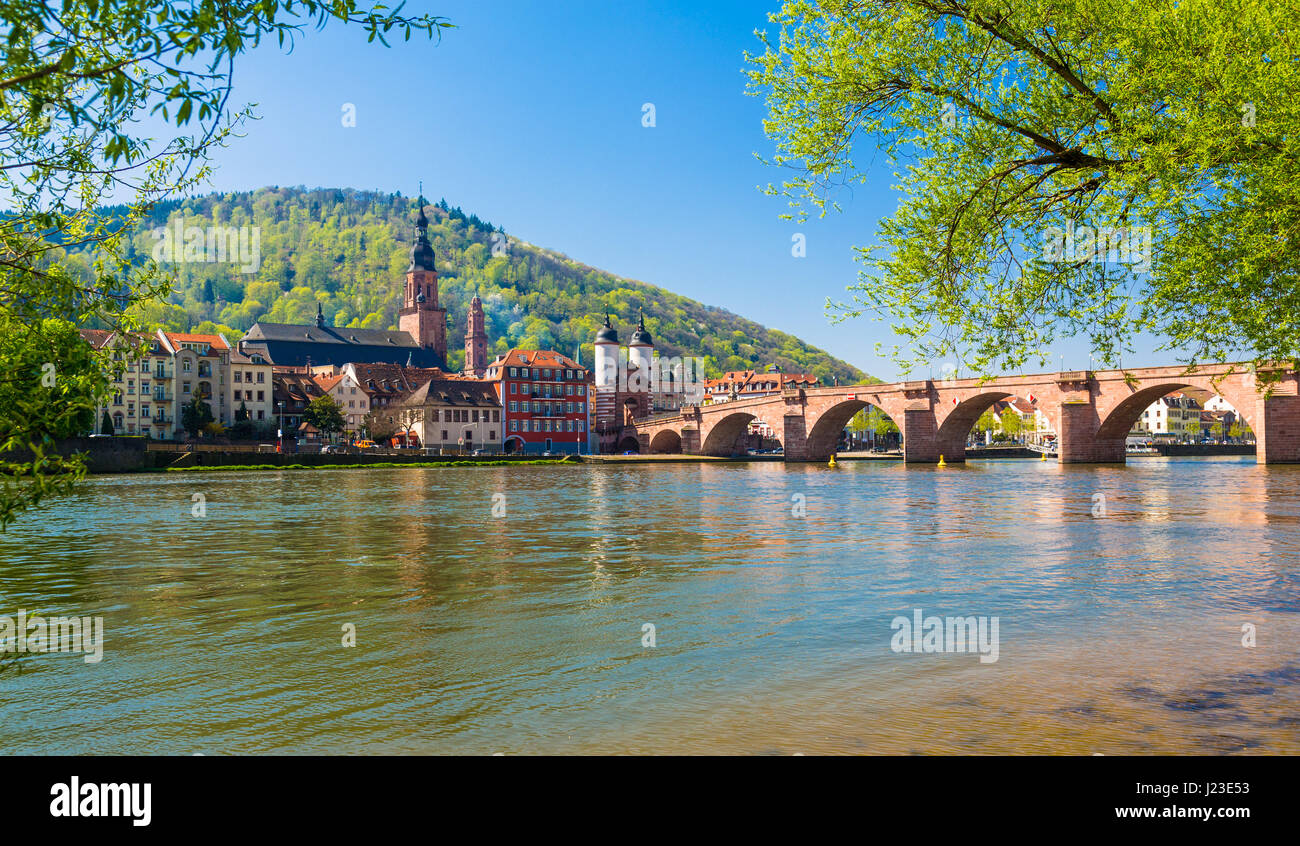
(529, 114)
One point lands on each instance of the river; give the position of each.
(505, 610)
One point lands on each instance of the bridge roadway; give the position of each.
(1091, 411)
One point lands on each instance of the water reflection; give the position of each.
(500, 609)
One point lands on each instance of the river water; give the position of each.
(505, 610)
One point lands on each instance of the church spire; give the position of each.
(421, 250)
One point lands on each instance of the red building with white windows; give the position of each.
(545, 398)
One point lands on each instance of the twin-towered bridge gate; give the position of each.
(1092, 412)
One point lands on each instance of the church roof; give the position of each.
(286, 344)
(330, 335)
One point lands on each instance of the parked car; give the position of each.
(331, 449)
(366, 443)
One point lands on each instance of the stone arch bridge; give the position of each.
(1092, 412)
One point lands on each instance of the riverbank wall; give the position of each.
(138, 455)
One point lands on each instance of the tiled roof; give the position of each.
(95, 337)
(454, 392)
(215, 341)
(327, 383)
(536, 358)
(330, 335)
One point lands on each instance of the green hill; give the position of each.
(348, 250)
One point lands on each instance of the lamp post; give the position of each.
(279, 433)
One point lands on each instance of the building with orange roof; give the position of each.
(544, 397)
(745, 384)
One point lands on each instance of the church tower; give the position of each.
(475, 341)
(420, 316)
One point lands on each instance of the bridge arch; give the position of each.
(628, 443)
(666, 441)
(955, 428)
(1119, 420)
(825, 434)
(725, 433)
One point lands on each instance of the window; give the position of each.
(444, 434)
(492, 434)
(514, 406)
(261, 396)
(475, 416)
(185, 387)
(514, 425)
(261, 415)
(186, 365)
(525, 388)
(496, 415)
(261, 378)
(514, 371)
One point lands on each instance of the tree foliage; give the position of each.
(325, 414)
(1014, 123)
(195, 415)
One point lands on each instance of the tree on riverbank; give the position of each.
(82, 89)
(1092, 168)
(196, 415)
(325, 414)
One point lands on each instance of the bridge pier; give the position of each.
(1277, 426)
(920, 436)
(1076, 437)
(794, 437)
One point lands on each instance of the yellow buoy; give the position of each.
(831, 463)
(1044, 458)
(942, 463)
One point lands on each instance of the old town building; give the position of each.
(544, 397)
(452, 415)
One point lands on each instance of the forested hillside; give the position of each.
(348, 251)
